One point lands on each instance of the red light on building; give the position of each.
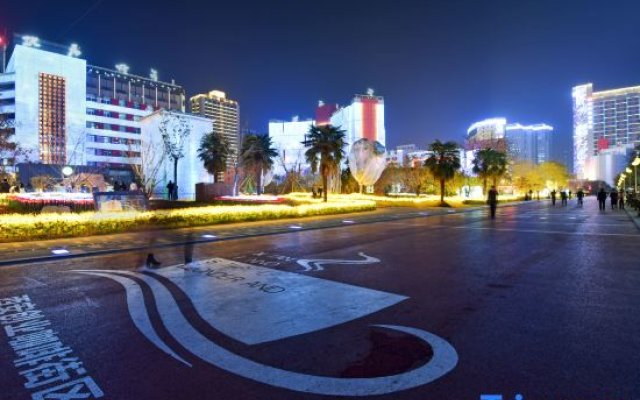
(603, 144)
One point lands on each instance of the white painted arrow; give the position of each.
(310, 264)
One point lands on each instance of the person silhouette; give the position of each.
(602, 199)
(492, 200)
(553, 197)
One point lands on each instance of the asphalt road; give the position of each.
(542, 302)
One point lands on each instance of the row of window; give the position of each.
(112, 140)
(101, 164)
(113, 153)
(112, 127)
(113, 114)
(120, 102)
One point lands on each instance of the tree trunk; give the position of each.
(175, 179)
(324, 185)
(361, 188)
(484, 185)
(442, 190)
(259, 188)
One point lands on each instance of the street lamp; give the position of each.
(635, 164)
(67, 171)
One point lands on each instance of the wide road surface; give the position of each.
(541, 302)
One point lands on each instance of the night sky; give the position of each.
(440, 65)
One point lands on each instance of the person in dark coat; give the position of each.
(580, 196)
(602, 198)
(621, 200)
(614, 199)
(563, 198)
(492, 200)
(170, 187)
(4, 186)
(553, 197)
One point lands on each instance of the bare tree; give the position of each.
(146, 172)
(174, 130)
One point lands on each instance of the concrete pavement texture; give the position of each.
(541, 302)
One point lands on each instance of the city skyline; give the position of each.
(451, 77)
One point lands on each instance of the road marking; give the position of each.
(310, 264)
(443, 361)
(539, 231)
(135, 303)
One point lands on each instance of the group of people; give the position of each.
(5, 187)
(172, 191)
(123, 187)
(617, 199)
(565, 196)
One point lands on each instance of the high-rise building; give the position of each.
(606, 127)
(69, 112)
(288, 139)
(225, 114)
(363, 118)
(528, 143)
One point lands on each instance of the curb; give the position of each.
(635, 220)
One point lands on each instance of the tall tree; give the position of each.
(489, 164)
(325, 151)
(214, 152)
(258, 154)
(175, 131)
(443, 163)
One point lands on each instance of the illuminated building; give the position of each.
(606, 127)
(225, 114)
(190, 167)
(527, 143)
(287, 138)
(69, 112)
(363, 118)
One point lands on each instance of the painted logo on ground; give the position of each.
(318, 263)
(282, 304)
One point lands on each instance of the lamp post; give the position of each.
(3, 44)
(635, 164)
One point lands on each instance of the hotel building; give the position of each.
(67, 111)
(606, 127)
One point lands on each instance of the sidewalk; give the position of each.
(633, 214)
(56, 249)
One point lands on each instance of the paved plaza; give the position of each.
(428, 304)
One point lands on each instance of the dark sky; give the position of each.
(440, 65)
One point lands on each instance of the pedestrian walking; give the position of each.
(614, 199)
(553, 197)
(569, 194)
(602, 198)
(580, 196)
(621, 200)
(170, 187)
(492, 200)
(563, 197)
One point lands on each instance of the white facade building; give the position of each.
(606, 125)
(363, 118)
(190, 168)
(69, 112)
(287, 138)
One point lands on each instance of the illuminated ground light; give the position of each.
(209, 236)
(60, 252)
(451, 211)
(295, 227)
(348, 221)
(423, 213)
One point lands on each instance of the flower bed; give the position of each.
(25, 203)
(16, 227)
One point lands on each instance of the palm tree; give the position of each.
(258, 154)
(214, 152)
(443, 163)
(324, 151)
(489, 163)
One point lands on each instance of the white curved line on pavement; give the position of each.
(316, 263)
(444, 358)
(135, 303)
